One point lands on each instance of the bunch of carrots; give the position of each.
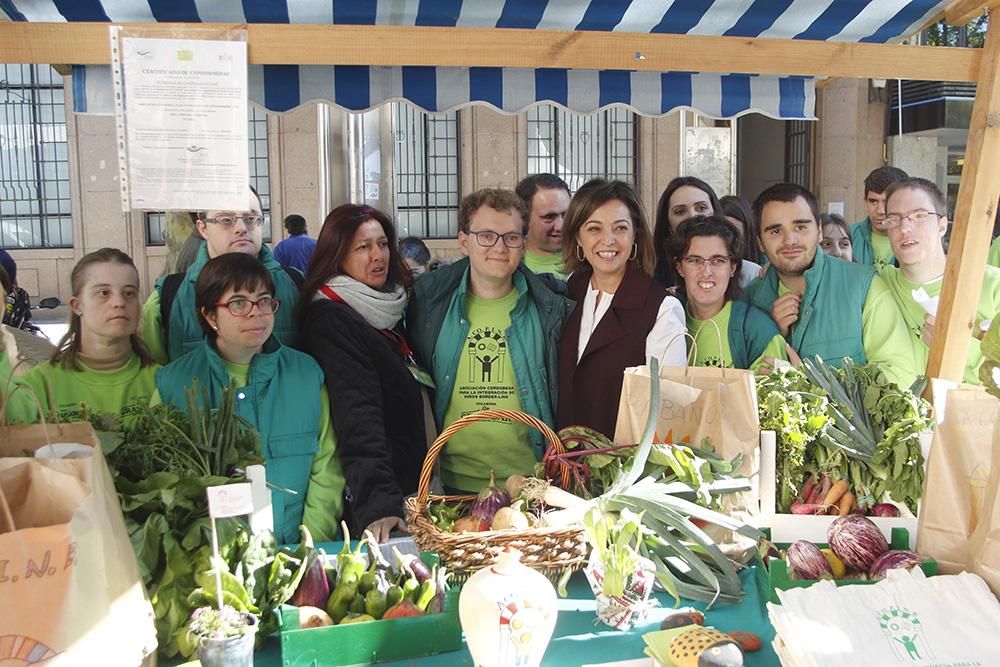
(824, 496)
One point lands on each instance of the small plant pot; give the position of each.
(228, 651)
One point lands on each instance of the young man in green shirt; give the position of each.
(917, 219)
(488, 329)
(869, 241)
(224, 232)
(546, 197)
(822, 305)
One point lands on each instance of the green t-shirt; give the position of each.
(121, 391)
(902, 291)
(882, 249)
(994, 257)
(708, 340)
(485, 379)
(545, 264)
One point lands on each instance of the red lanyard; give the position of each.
(395, 337)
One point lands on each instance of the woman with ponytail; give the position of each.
(100, 366)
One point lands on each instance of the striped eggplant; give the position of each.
(893, 560)
(856, 540)
(806, 561)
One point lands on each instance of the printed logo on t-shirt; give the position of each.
(487, 350)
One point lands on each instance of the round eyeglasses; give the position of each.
(240, 307)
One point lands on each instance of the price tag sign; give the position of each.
(229, 500)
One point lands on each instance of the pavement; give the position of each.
(54, 322)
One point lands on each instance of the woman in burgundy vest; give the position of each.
(622, 315)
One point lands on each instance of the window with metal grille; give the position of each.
(425, 172)
(34, 159)
(798, 134)
(580, 147)
(257, 138)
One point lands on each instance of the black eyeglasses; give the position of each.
(488, 238)
(227, 220)
(240, 307)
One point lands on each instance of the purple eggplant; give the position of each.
(806, 561)
(893, 560)
(857, 541)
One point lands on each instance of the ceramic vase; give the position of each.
(508, 612)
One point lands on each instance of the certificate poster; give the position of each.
(185, 122)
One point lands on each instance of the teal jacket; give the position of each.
(437, 324)
(829, 323)
(281, 400)
(185, 333)
(750, 332)
(861, 243)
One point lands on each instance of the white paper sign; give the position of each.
(185, 108)
(230, 500)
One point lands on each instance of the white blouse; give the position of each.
(665, 341)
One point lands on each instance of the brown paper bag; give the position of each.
(957, 473)
(697, 403)
(984, 546)
(71, 592)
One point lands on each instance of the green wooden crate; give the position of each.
(772, 576)
(372, 641)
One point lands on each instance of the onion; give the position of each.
(892, 560)
(806, 561)
(490, 499)
(885, 510)
(856, 540)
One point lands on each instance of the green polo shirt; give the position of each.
(539, 263)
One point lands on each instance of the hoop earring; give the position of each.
(635, 252)
(579, 253)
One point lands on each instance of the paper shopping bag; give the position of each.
(984, 546)
(957, 473)
(70, 582)
(697, 403)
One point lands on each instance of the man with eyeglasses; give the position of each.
(869, 243)
(822, 305)
(917, 220)
(169, 320)
(489, 330)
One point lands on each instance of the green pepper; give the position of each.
(368, 580)
(410, 588)
(358, 604)
(393, 596)
(340, 601)
(350, 563)
(375, 603)
(426, 594)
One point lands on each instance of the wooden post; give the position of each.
(973, 223)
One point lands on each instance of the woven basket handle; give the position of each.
(481, 416)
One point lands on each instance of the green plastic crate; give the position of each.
(772, 576)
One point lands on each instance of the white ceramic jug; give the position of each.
(508, 612)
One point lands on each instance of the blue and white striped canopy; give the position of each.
(358, 88)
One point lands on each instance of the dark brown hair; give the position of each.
(334, 243)
(68, 348)
(923, 185)
(234, 270)
(713, 225)
(497, 199)
(786, 193)
(881, 178)
(591, 196)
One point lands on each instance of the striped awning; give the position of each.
(358, 88)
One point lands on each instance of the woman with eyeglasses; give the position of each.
(728, 333)
(622, 315)
(100, 366)
(352, 303)
(278, 389)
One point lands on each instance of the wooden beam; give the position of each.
(960, 12)
(973, 224)
(87, 44)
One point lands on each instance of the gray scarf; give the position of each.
(382, 310)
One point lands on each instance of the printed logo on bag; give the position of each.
(902, 627)
(520, 621)
(24, 650)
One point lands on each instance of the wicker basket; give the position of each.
(550, 551)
